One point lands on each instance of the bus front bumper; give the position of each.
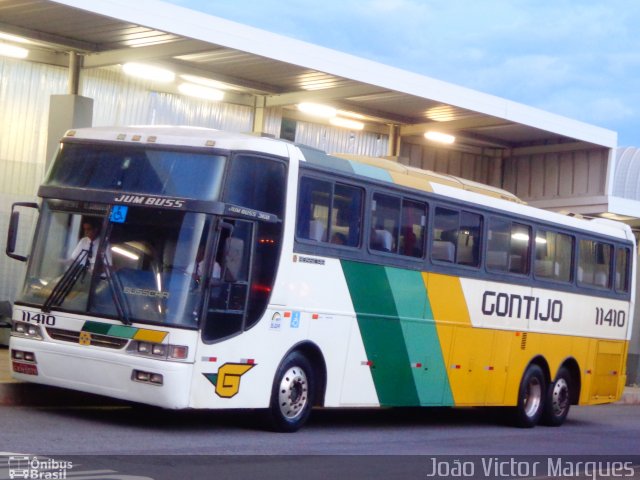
(110, 373)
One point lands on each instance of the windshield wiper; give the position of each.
(76, 270)
(116, 291)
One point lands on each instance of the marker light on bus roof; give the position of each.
(149, 72)
(439, 137)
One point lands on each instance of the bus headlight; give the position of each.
(27, 330)
(161, 351)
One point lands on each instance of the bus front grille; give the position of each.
(92, 339)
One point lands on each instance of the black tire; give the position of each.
(531, 396)
(292, 394)
(558, 399)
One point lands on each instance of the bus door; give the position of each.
(242, 271)
(229, 280)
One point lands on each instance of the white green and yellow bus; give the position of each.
(193, 268)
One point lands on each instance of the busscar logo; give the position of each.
(21, 466)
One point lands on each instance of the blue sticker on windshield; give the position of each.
(118, 213)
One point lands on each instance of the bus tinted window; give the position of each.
(397, 225)
(554, 254)
(329, 213)
(456, 237)
(257, 183)
(385, 218)
(594, 263)
(346, 215)
(623, 256)
(508, 246)
(138, 169)
(414, 220)
(313, 209)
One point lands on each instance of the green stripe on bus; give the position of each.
(122, 331)
(96, 327)
(420, 336)
(382, 333)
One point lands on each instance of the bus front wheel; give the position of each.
(531, 397)
(558, 399)
(292, 394)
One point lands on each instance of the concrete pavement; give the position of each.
(13, 392)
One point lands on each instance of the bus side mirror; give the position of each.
(12, 234)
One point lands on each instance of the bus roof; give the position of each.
(474, 193)
(372, 167)
(182, 136)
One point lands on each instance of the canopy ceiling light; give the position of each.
(346, 123)
(439, 137)
(7, 50)
(149, 72)
(13, 38)
(200, 91)
(205, 82)
(317, 109)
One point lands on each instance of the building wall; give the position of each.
(568, 176)
(484, 167)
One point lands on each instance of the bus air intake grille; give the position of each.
(523, 342)
(96, 340)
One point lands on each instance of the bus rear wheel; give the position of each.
(292, 394)
(531, 397)
(558, 399)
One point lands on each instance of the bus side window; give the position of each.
(329, 212)
(553, 256)
(385, 219)
(313, 209)
(456, 237)
(508, 246)
(623, 256)
(594, 263)
(414, 221)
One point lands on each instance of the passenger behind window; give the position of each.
(339, 238)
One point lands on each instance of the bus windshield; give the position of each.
(144, 267)
(138, 169)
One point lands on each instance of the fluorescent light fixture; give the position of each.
(13, 38)
(149, 72)
(346, 123)
(7, 50)
(125, 253)
(205, 82)
(199, 91)
(357, 116)
(439, 137)
(317, 109)
(523, 237)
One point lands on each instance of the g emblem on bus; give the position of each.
(227, 380)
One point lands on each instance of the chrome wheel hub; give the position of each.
(560, 397)
(293, 393)
(533, 397)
